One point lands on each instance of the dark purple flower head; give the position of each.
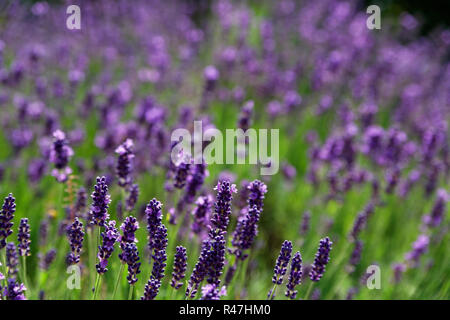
(194, 183)
(154, 219)
(46, 260)
(110, 236)
(14, 290)
(398, 269)
(12, 259)
(81, 203)
(179, 267)
(438, 211)
(295, 276)
(130, 256)
(151, 289)
(304, 227)
(282, 262)
(212, 292)
(216, 259)
(201, 213)
(129, 227)
(419, 247)
(132, 197)
(159, 255)
(75, 234)
(245, 117)
(361, 220)
(125, 163)
(182, 172)
(355, 257)
(200, 270)
(23, 237)
(6, 216)
(211, 75)
(60, 155)
(222, 206)
(245, 233)
(321, 259)
(100, 203)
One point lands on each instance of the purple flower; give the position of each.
(355, 257)
(201, 213)
(75, 235)
(14, 290)
(194, 183)
(295, 276)
(182, 170)
(304, 227)
(211, 75)
(130, 256)
(129, 227)
(46, 260)
(60, 155)
(216, 259)
(12, 259)
(245, 233)
(398, 269)
(23, 237)
(244, 121)
(200, 270)
(179, 267)
(132, 197)
(257, 190)
(151, 289)
(321, 259)
(419, 247)
(438, 210)
(361, 220)
(81, 203)
(6, 215)
(110, 236)
(212, 292)
(154, 220)
(159, 255)
(222, 206)
(282, 262)
(124, 163)
(100, 203)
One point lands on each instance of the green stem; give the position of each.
(130, 292)
(309, 290)
(118, 280)
(24, 274)
(272, 293)
(98, 282)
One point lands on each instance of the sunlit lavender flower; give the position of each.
(151, 289)
(295, 276)
(110, 236)
(419, 247)
(12, 259)
(124, 163)
(201, 213)
(130, 256)
(257, 190)
(222, 206)
(132, 199)
(321, 259)
(6, 216)
(100, 203)
(212, 292)
(23, 237)
(179, 267)
(75, 234)
(245, 233)
(14, 290)
(129, 227)
(159, 255)
(200, 270)
(60, 156)
(154, 220)
(282, 262)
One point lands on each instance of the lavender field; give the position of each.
(94, 205)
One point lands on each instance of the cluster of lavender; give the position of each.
(130, 253)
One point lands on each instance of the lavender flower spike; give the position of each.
(100, 203)
(295, 276)
(257, 190)
(6, 215)
(179, 267)
(200, 270)
(321, 259)
(110, 236)
(23, 237)
(282, 262)
(14, 290)
(130, 256)
(222, 206)
(132, 199)
(12, 259)
(245, 233)
(60, 156)
(212, 292)
(419, 247)
(154, 219)
(75, 235)
(124, 163)
(159, 252)
(151, 289)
